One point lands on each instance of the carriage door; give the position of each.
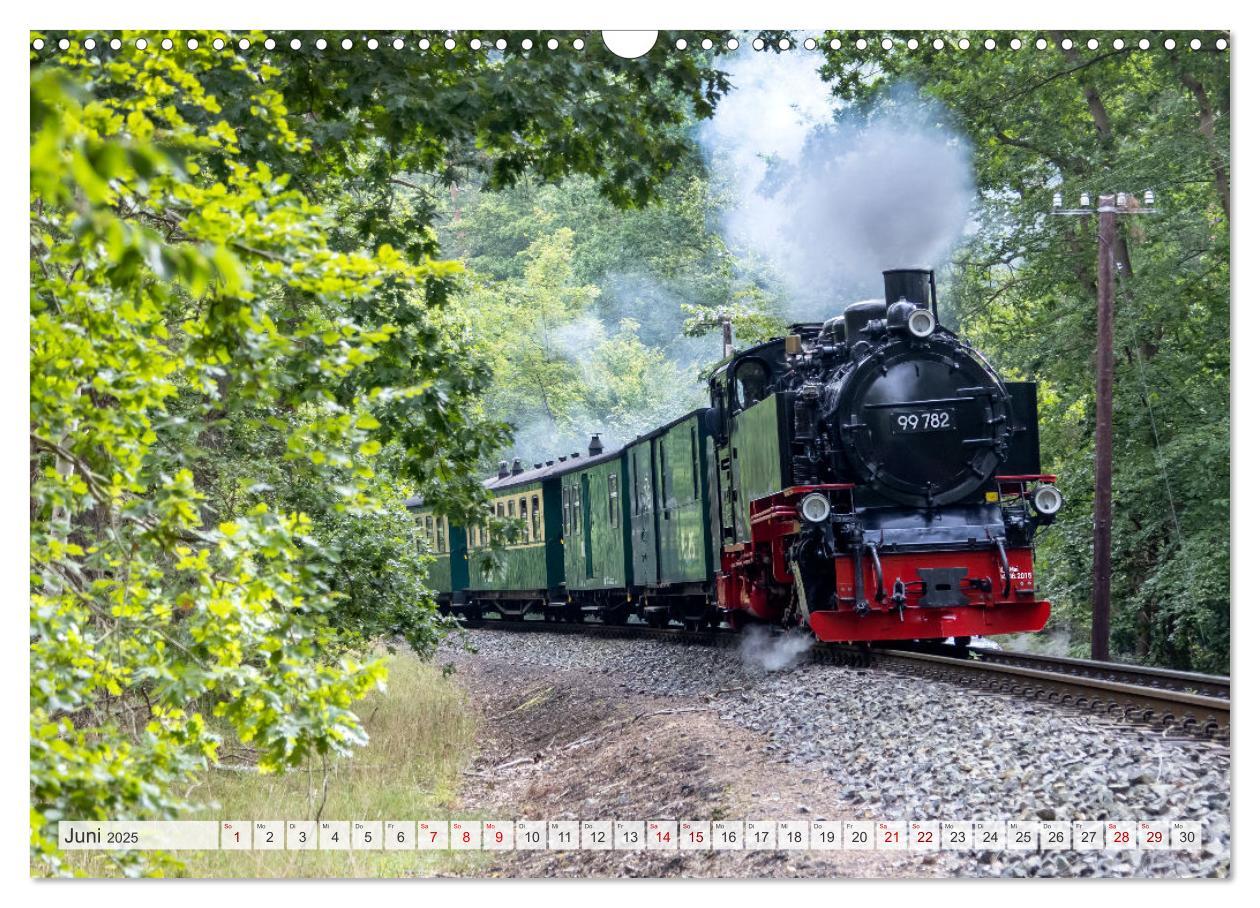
(586, 525)
(642, 515)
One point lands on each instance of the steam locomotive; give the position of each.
(870, 477)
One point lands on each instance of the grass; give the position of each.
(422, 735)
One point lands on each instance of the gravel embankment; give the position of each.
(903, 748)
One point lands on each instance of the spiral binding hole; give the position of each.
(681, 44)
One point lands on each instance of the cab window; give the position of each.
(751, 383)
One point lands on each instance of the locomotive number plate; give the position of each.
(933, 419)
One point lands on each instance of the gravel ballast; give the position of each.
(898, 747)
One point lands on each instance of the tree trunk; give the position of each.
(1207, 126)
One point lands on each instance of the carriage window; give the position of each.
(564, 508)
(667, 481)
(441, 534)
(511, 509)
(537, 519)
(750, 383)
(695, 466)
(522, 511)
(576, 512)
(614, 504)
(634, 478)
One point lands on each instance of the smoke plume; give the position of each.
(832, 195)
(759, 647)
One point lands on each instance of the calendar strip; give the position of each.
(631, 835)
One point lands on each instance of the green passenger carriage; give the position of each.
(594, 518)
(613, 532)
(672, 562)
(525, 570)
(447, 545)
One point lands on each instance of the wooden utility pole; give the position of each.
(1100, 635)
(1109, 206)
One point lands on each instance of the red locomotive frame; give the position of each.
(1001, 598)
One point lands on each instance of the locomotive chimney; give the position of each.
(503, 468)
(596, 447)
(915, 285)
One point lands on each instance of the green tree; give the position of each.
(531, 330)
(642, 288)
(242, 349)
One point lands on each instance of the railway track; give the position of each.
(1181, 703)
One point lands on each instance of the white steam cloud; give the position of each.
(831, 196)
(759, 647)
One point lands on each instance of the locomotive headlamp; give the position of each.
(921, 323)
(815, 507)
(1047, 500)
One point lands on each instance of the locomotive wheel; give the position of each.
(962, 642)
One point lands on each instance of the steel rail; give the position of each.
(1217, 686)
(1175, 710)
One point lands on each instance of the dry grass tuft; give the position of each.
(422, 736)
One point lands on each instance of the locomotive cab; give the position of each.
(745, 381)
